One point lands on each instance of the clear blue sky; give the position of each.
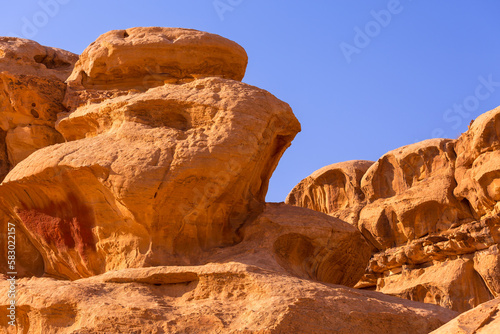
(418, 69)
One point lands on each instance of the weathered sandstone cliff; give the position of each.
(431, 212)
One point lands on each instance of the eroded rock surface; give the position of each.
(142, 58)
(431, 210)
(480, 320)
(215, 298)
(32, 90)
(410, 194)
(155, 177)
(302, 243)
(478, 164)
(334, 190)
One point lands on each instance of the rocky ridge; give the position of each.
(147, 213)
(431, 212)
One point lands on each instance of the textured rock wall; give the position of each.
(143, 206)
(32, 91)
(430, 210)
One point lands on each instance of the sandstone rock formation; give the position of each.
(334, 190)
(480, 320)
(171, 174)
(431, 210)
(477, 167)
(410, 194)
(143, 58)
(302, 243)
(148, 213)
(452, 283)
(215, 298)
(32, 80)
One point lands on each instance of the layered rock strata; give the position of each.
(430, 210)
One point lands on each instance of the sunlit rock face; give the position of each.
(32, 90)
(152, 178)
(334, 190)
(430, 211)
(410, 194)
(477, 167)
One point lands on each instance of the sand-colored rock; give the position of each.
(465, 239)
(410, 194)
(487, 264)
(24, 140)
(215, 298)
(161, 177)
(27, 260)
(483, 319)
(31, 93)
(334, 190)
(142, 58)
(302, 243)
(453, 284)
(477, 167)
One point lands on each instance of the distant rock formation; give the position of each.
(431, 212)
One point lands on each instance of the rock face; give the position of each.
(410, 194)
(175, 174)
(431, 211)
(172, 172)
(146, 213)
(302, 243)
(481, 320)
(143, 58)
(477, 167)
(453, 284)
(334, 190)
(215, 298)
(32, 81)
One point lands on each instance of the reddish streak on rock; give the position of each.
(64, 225)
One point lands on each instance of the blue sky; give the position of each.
(363, 77)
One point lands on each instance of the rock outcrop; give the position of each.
(215, 298)
(431, 211)
(477, 166)
(138, 198)
(480, 320)
(334, 190)
(32, 90)
(143, 58)
(302, 243)
(409, 194)
(171, 173)
(174, 173)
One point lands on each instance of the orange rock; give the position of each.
(477, 168)
(453, 284)
(334, 190)
(27, 259)
(214, 298)
(32, 81)
(142, 58)
(410, 194)
(483, 319)
(487, 264)
(302, 243)
(155, 178)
